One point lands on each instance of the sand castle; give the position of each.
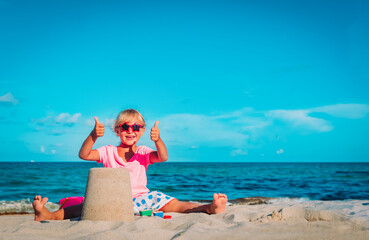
(108, 195)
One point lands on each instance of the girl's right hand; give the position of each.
(99, 128)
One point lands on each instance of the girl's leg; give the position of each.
(42, 213)
(217, 206)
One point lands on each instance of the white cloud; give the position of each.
(46, 150)
(247, 128)
(238, 152)
(353, 111)
(56, 124)
(90, 122)
(61, 119)
(8, 99)
(300, 119)
(74, 118)
(197, 128)
(280, 151)
(108, 122)
(67, 118)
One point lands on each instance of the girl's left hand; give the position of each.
(155, 133)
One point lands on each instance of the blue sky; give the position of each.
(228, 80)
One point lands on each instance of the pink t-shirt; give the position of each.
(137, 166)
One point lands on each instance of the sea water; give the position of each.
(21, 181)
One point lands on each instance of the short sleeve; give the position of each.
(149, 150)
(103, 153)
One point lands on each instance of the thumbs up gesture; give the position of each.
(155, 133)
(99, 128)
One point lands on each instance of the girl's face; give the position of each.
(131, 137)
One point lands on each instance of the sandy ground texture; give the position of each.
(278, 220)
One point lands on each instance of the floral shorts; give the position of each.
(152, 200)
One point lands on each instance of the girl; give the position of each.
(130, 126)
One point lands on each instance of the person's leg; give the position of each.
(42, 213)
(217, 206)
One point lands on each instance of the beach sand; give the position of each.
(281, 219)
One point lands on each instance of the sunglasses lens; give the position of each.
(136, 127)
(125, 127)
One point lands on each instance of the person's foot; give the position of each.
(41, 212)
(219, 203)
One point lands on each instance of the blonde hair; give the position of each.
(127, 116)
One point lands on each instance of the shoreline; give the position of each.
(280, 219)
(15, 213)
(24, 206)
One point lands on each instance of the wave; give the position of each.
(23, 206)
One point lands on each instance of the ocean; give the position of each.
(21, 181)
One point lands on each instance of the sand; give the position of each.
(281, 219)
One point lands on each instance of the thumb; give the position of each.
(96, 120)
(156, 124)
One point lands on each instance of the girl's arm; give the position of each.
(86, 152)
(161, 153)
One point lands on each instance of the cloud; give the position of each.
(280, 151)
(300, 119)
(56, 125)
(67, 118)
(8, 99)
(197, 128)
(248, 128)
(90, 122)
(58, 132)
(48, 150)
(108, 122)
(353, 111)
(238, 152)
(64, 119)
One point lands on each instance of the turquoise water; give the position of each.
(197, 181)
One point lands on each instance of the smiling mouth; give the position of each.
(130, 137)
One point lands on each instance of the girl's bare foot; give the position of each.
(219, 203)
(41, 212)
